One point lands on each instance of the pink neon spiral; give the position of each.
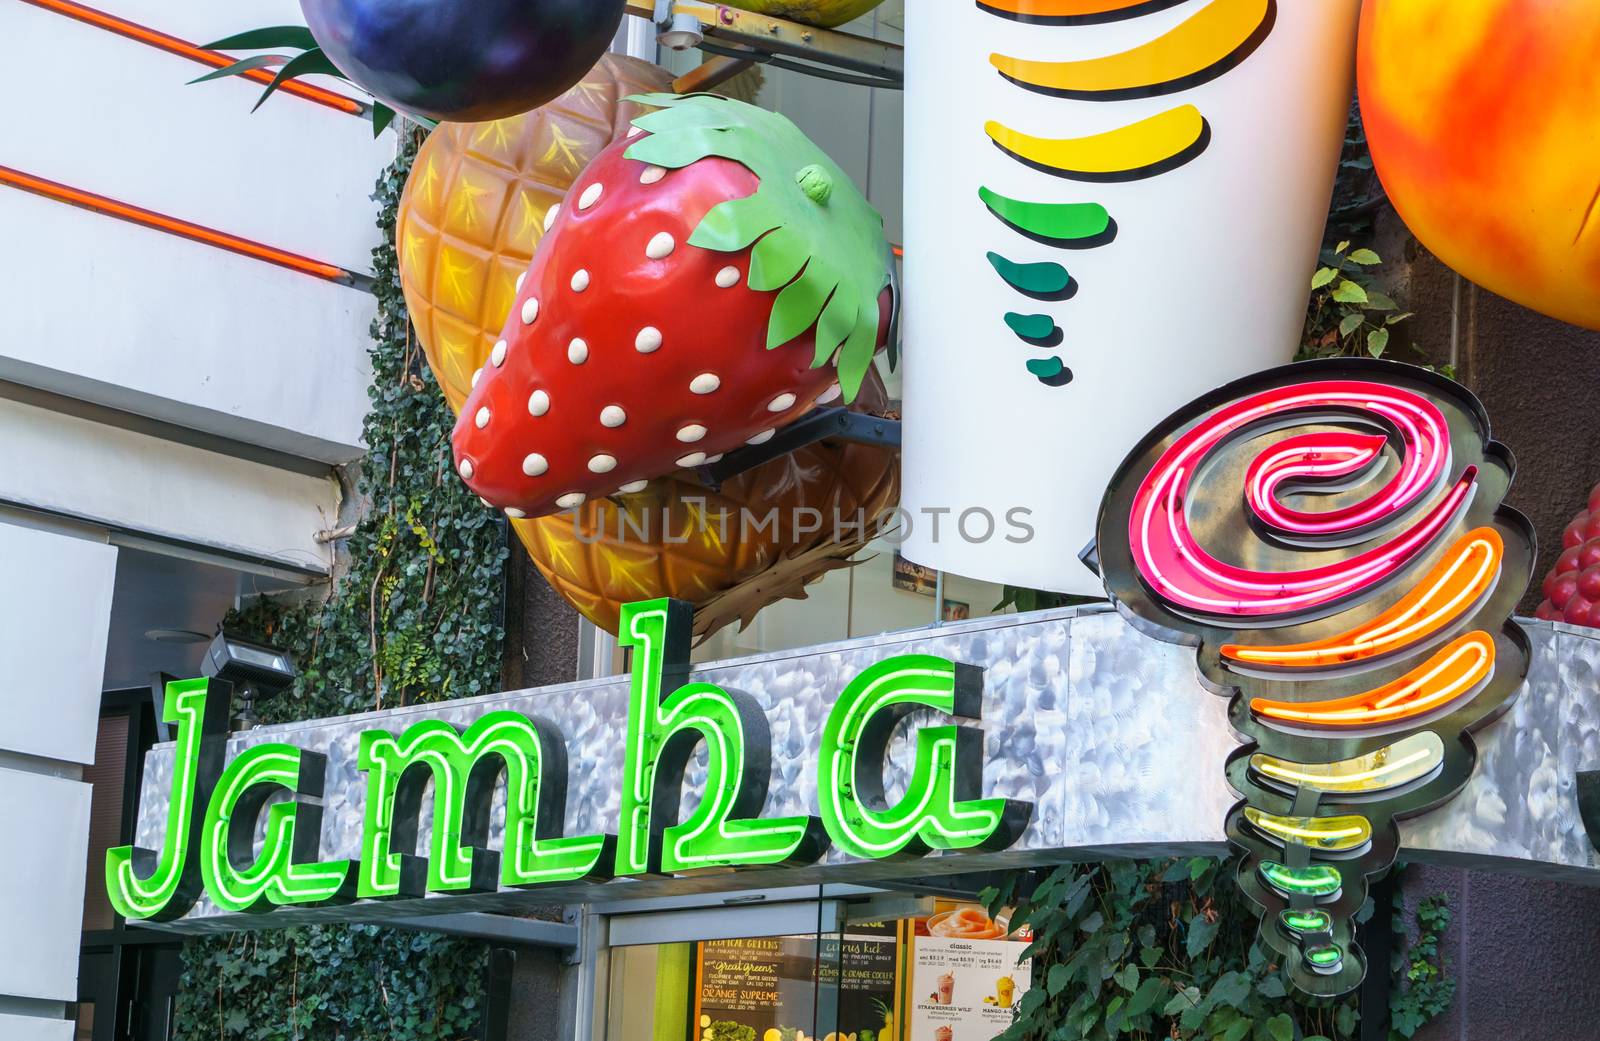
(1179, 570)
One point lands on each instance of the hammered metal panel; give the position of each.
(1107, 732)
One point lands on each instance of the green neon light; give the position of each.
(1325, 959)
(940, 809)
(1316, 880)
(235, 877)
(1306, 921)
(465, 769)
(143, 884)
(663, 732)
(215, 812)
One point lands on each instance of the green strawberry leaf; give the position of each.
(776, 260)
(818, 242)
(731, 227)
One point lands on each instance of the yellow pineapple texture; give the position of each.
(474, 208)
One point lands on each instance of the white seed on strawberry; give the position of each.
(535, 464)
(466, 469)
(634, 486)
(477, 374)
(602, 464)
(761, 438)
(577, 352)
(523, 277)
(482, 418)
(692, 459)
(530, 311)
(580, 280)
(715, 458)
(661, 247)
(498, 354)
(590, 196)
(652, 175)
(613, 416)
(514, 513)
(538, 403)
(728, 277)
(829, 395)
(691, 433)
(571, 500)
(781, 403)
(705, 383)
(550, 218)
(648, 341)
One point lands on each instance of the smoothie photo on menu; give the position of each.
(967, 923)
(947, 989)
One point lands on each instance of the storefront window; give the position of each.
(953, 975)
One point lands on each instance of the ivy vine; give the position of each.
(414, 615)
(1167, 949)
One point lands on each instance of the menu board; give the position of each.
(788, 988)
(965, 977)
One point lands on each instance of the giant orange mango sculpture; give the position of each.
(472, 214)
(1482, 118)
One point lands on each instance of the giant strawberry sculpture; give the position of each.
(710, 280)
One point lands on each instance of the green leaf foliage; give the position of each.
(297, 36)
(305, 63)
(414, 616)
(242, 66)
(1166, 949)
(818, 243)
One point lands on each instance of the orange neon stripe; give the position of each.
(1453, 587)
(1451, 674)
(174, 226)
(182, 48)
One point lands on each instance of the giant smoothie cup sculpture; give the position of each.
(708, 281)
(1333, 538)
(1110, 205)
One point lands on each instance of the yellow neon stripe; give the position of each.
(1138, 146)
(1393, 765)
(1338, 834)
(1195, 47)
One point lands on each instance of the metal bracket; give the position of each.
(837, 422)
(747, 36)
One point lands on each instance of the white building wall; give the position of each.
(155, 392)
(145, 321)
(54, 611)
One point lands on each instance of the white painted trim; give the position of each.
(132, 482)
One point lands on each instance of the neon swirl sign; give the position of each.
(1332, 535)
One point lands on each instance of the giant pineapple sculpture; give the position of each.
(1333, 537)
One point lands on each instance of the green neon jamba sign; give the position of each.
(216, 809)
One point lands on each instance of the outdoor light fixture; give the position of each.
(255, 670)
(682, 33)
